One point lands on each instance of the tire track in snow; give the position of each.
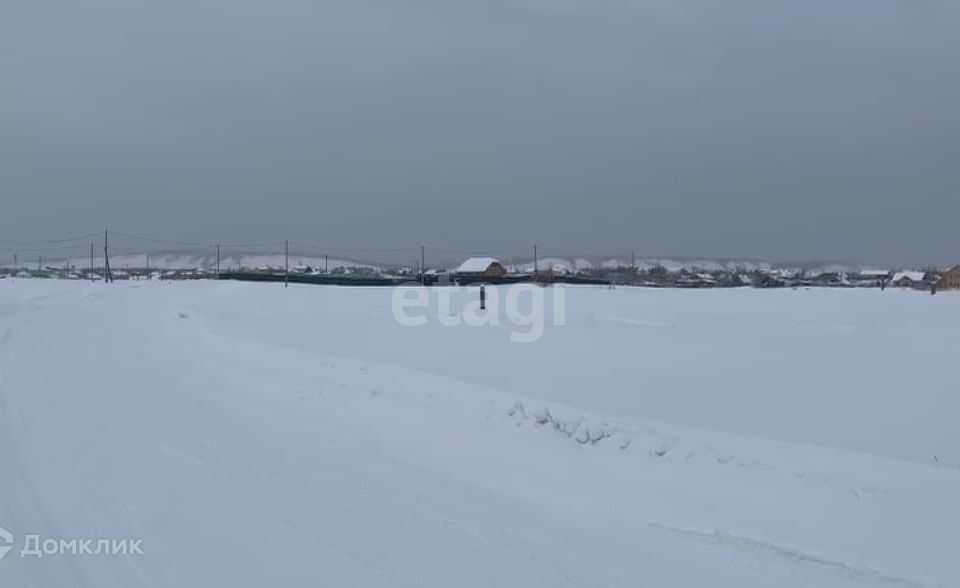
(37, 516)
(757, 547)
(11, 458)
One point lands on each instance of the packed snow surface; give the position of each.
(254, 435)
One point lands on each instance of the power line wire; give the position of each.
(353, 250)
(51, 241)
(163, 241)
(40, 249)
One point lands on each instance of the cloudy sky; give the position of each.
(813, 129)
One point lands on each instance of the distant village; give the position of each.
(659, 276)
(646, 273)
(930, 280)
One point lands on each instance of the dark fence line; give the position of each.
(430, 280)
(295, 278)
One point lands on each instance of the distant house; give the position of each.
(950, 280)
(542, 276)
(831, 278)
(907, 279)
(481, 267)
(769, 281)
(869, 278)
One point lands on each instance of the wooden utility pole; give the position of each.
(218, 261)
(633, 260)
(286, 263)
(39, 264)
(107, 275)
(16, 263)
(423, 265)
(535, 268)
(91, 259)
(326, 263)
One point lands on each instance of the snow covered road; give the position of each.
(252, 435)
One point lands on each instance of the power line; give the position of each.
(567, 254)
(163, 241)
(51, 241)
(252, 244)
(353, 250)
(524, 247)
(39, 249)
(74, 246)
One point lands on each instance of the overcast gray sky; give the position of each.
(808, 129)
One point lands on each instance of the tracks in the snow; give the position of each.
(772, 550)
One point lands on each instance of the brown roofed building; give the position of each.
(950, 280)
(481, 267)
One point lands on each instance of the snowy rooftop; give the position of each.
(913, 276)
(476, 265)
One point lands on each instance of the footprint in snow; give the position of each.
(660, 450)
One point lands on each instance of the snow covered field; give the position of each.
(253, 435)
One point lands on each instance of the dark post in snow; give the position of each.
(91, 260)
(535, 258)
(326, 263)
(107, 275)
(286, 263)
(218, 261)
(483, 298)
(16, 263)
